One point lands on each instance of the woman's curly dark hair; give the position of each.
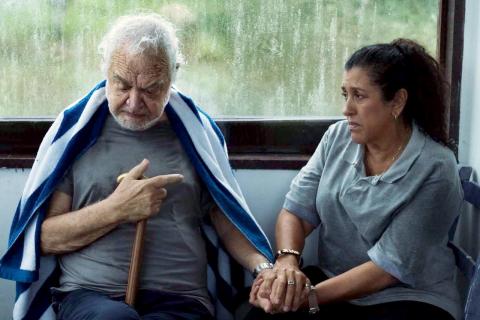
(405, 64)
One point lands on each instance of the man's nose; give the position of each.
(134, 101)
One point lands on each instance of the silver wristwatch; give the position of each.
(312, 300)
(260, 267)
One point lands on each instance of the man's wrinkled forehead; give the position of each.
(149, 65)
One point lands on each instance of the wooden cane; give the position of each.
(136, 258)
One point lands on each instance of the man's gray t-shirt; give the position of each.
(399, 220)
(174, 257)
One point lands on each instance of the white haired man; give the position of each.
(90, 219)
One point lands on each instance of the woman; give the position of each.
(383, 190)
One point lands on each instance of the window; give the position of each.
(267, 70)
(265, 58)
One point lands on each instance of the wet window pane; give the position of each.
(244, 58)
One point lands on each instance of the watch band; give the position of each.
(260, 267)
(312, 300)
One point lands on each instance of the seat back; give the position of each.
(466, 264)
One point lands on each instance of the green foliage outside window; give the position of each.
(244, 58)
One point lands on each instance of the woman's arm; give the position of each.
(358, 282)
(291, 232)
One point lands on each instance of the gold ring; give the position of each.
(290, 282)
(123, 175)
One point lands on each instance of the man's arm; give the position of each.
(242, 251)
(64, 230)
(234, 241)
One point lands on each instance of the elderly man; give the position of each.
(89, 219)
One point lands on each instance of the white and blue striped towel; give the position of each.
(72, 133)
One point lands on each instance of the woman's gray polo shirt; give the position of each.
(399, 220)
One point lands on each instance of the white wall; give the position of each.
(265, 191)
(11, 185)
(469, 151)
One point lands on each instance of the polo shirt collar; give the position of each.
(354, 152)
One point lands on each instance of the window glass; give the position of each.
(244, 58)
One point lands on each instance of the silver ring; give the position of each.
(290, 282)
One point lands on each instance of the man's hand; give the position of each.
(65, 231)
(136, 199)
(257, 300)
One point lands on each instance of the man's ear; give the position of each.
(399, 101)
(177, 66)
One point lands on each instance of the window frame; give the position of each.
(267, 143)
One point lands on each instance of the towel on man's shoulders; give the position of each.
(71, 134)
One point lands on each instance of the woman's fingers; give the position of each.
(292, 284)
(286, 288)
(301, 280)
(277, 296)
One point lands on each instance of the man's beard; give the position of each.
(135, 125)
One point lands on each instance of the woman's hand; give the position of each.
(271, 289)
(284, 286)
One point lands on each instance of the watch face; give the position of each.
(262, 266)
(313, 310)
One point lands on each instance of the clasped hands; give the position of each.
(281, 289)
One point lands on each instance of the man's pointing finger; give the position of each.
(163, 180)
